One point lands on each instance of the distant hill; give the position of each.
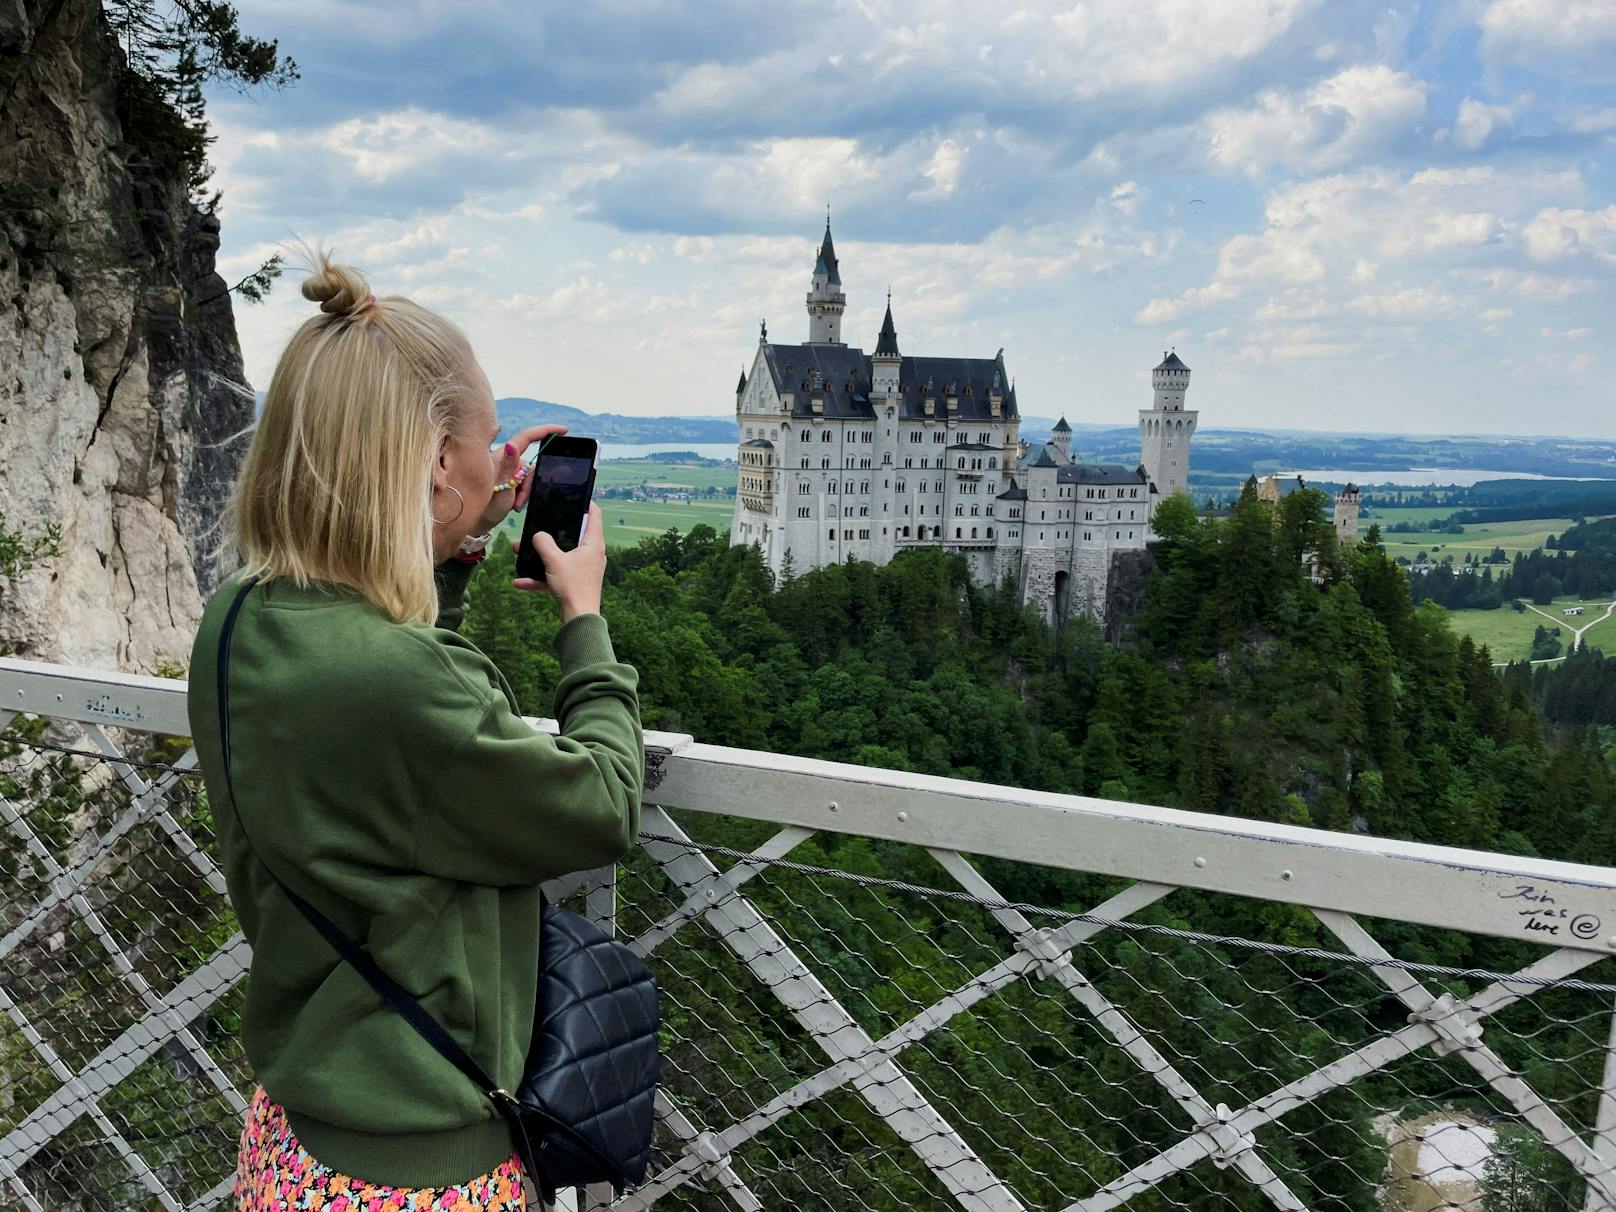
(518, 412)
(1217, 451)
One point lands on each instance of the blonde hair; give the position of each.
(337, 483)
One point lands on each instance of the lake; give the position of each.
(638, 450)
(1416, 477)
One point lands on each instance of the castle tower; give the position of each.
(1061, 438)
(825, 298)
(886, 459)
(1347, 502)
(1165, 428)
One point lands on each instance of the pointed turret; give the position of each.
(825, 298)
(1061, 437)
(741, 386)
(886, 361)
(887, 343)
(827, 258)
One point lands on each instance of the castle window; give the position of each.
(802, 511)
(990, 532)
(1085, 536)
(833, 534)
(973, 532)
(864, 534)
(957, 533)
(847, 534)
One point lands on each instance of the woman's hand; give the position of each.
(575, 576)
(510, 457)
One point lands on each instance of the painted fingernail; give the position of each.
(510, 450)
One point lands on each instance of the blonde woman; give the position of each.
(379, 768)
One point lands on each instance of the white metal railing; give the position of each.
(899, 1042)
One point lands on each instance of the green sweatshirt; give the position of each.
(385, 774)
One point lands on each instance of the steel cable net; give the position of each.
(832, 1040)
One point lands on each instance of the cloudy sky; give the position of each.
(1343, 215)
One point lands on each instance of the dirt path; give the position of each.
(1576, 632)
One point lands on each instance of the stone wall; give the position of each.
(120, 371)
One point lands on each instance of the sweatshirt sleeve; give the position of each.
(514, 806)
(451, 578)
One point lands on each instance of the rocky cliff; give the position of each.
(120, 372)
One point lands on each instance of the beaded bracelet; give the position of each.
(521, 474)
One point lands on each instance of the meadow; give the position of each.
(1507, 633)
(1479, 538)
(627, 522)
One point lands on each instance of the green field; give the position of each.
(622, 473)
(1478, 538)
(627, 522)
(1415, 513)
(1507, 633)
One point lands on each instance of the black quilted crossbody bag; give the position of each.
(583, 1111)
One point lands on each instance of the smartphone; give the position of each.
(563, 482)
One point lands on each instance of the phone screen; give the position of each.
(563, 481)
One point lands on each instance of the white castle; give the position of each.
(847, 454)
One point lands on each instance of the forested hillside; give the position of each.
(1251, 689)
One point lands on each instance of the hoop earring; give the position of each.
(458, 512)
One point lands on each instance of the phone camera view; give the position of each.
(562, 497)
(563, 482)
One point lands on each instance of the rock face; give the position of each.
(120, 371)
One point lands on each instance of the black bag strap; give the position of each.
(390, 990)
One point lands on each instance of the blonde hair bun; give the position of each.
(338, 289)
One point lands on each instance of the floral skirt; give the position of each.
(274, 1173)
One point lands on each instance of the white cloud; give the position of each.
(1555, 234)
(1409, 303)
(385, 145)
(1477, 121)
(1548, 33)
(1359, 112)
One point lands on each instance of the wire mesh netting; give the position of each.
(847, 1029)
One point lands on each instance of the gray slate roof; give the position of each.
(845, 373)
(1171, 361)
(1042, 457)
(1012, 494)
(1101, 473)
(1061, 426)
(758, 442)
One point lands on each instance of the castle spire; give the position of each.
(825, 298)
(887, 343)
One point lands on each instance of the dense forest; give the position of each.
(1274, 676)
(1580, 561)
(1252, 689)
